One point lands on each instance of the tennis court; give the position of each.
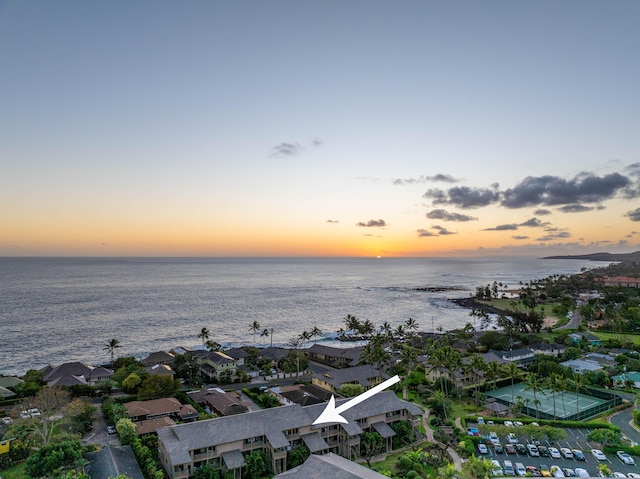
(568, 404)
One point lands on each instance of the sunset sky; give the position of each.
(333, 128)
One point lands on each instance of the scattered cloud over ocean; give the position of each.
(372, 224)
(438, 231)
(464, 196)
(633, 215)
(426, 179)
(332, 221)
(444, 215)
(290, 149)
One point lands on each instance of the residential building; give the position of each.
(154, 408)
(604, 360)
(581, 366)
(222, 442)
(215, 364)
(520, 356)
(151, 426)
(591, 339)
(623, 379)
(548, 349)
(620, 281)
(160, 370)
(329, 466)
(303, 394)
(74, 373)
(239, 354)
(159, 357)
(336, 357)
(219, 402)
(367, 376)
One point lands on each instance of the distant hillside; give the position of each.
(624, 257)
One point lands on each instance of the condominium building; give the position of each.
(223, 442)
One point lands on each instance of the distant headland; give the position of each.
(625, 257)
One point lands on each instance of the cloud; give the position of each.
(633, 215)
(575, 208)
(317, 142)
(553, 190)
(502, 228)
(464, 196)
(286, 149)
(440, 231)
(554, 235)
(534, 223)
(542, 212)
(372, 224)
(332, 221)
(443, 231)
(520, 237)
(426, 179)
(446, 216)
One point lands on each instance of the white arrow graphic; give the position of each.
(332, 413)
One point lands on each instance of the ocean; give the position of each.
(55, 310)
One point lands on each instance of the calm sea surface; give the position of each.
(54, 310)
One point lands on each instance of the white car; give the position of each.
(556, 471)
(496, 469)
(566, 453)
(483, 449)
(633, 475)
(581, 472)
(495, 441)
(598, 454)
(626, 458)
(619, 474)
(7, 420)
(554, 453)
(512, 438)
(518, 424)
(480, 420)
(533, 450)
(508, 423)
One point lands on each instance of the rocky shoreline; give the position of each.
(472, 303)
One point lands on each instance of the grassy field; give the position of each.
(14, 472)
(634, 338)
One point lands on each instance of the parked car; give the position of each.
(556, 471)
(508, 468)
(521, 449)
(533, 450)
(554, 453)
(480, 420)
(581, 472)
(496, 469)
(490, 423)
(578, 454)
(633, 475)
(626, 458)
(498, 448)
(511, 437)
(518, 424)
(510, 448)
(566, 453)
(598, 454)
(520, 469)
(543, 450)
(508, 423)
(568, 472)
(7, 420)
(494, 440)
(482, 449)
(619, 474)
(545, 471)
(533, 471)
(111, 430)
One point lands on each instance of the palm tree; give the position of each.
(399, 331)
(534, 384)
(578, 381)
(553, 383)
(366, 328)
(494, 371)
(295, 342)
(111, 347)
(212, 345)
(204, 335)
(478, 367)
(264, 333)
(514, 372)
(316, 332)
(411, 325)
(408, 357)
(352, 323)
(255, 326)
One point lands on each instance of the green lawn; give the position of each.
(634, 338)
(15, 472)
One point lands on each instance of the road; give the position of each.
(622, 420)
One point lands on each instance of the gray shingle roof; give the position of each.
(329, 466)
(180, 439)
(360, 374)
(314, 442)
(233, 459)
(384, 429)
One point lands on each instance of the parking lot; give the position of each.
(576, 439)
